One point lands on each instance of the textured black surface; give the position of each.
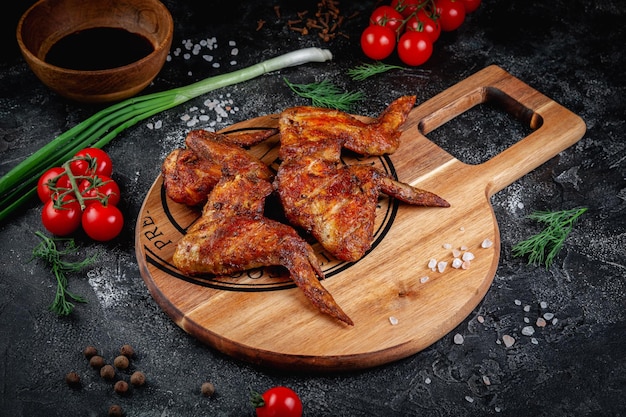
(572, 51)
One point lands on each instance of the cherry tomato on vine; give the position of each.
(387, 16)
(100, 187)
(451, 14)
(103, 166)
(471, 5)
(414, 48)
(61, 218)
(43, 185)
(422, 22)
(278, 402)
(378, 42)
(102, 222)
(406, 7)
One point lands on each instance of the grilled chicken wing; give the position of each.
(190, 174)
(233, 235)
(336, 203)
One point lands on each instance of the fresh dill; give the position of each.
(48, 251)
(361, 72)
(326, 94)
(543, 247)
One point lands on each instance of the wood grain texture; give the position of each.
(260, 317)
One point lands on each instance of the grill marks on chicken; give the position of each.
(232, 235)
(336, 203)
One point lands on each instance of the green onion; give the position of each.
(19, 184)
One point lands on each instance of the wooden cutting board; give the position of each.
(399, 305)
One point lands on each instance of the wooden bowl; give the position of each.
(48, 22)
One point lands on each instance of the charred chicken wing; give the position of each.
(232, 235)
(191, 173)
(336, 203)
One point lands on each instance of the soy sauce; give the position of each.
(98, 48)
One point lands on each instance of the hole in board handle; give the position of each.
(480, 125)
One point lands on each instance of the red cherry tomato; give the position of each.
(451, 14)
(101, 222)
(406, 7)
(54, 177)
(378, 42)
(422, 22)
(471, 5)
(279, 402)
(103, 164)
(62, 218)
(387, 16)
(415, 48)
(100, 187)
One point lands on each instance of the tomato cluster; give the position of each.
(411, 27)
(81, 193)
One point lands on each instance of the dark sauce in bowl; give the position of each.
(98, 48)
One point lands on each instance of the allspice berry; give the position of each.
(121, 387)
(121, 362)
(90, 351)
(127, 350)
(107, 372)
(207, 389)
(137, 378)
(72, 379)
(115, 411)
(96, 361)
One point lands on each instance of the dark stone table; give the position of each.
(574, 365)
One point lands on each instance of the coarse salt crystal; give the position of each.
(424, 279)
(548, 316)
(487, 243)
(468, 256)
(464, 247)
(432, 264)
(458, 339)
(528, 331)
(540, 322)
(457, 263)
(465, 265)
(456, 253)
(393, 320)
(486, 380)
(469, 399)
(441, 266)
(447, 246)
(480, 319)
(508, 340)
(543, 304)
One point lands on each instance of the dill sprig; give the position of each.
(361, 72)
(48, 250)
(326, 94)
(543, 247)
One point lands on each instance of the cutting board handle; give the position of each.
(555, 128)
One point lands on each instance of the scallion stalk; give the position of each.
(19, 184)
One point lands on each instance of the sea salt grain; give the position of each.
(424, 279)
(432, 264)
(487, 243)
(458, 339)
(508, 340)
(468, 256)
(393, 320)
(441, 266)
(528, 331)
(457, 263)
